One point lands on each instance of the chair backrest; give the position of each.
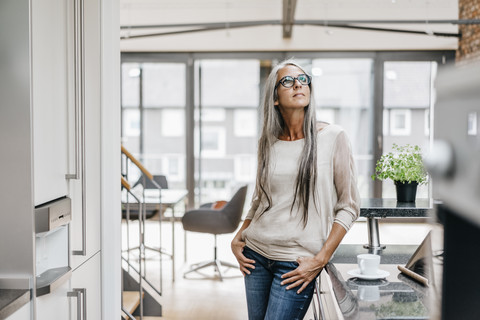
(234, 208)
(160, 179)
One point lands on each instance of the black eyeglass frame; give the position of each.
(281, 81)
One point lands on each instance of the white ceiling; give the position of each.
(270, 37)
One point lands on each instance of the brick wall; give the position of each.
(469, 44)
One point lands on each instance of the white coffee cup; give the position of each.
(368, 293)
(368, 264)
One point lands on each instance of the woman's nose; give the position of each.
(297, 83)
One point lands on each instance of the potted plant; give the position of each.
(405, 167)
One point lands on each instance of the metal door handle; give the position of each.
(79, 62)
(81, 304)
(79, 87)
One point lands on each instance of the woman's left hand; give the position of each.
(308, 268)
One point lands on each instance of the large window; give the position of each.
(162, 94)
(153, 114)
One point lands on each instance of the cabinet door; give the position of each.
(92, 143)
(50, 98)
(87, 278)
(55, 305)
(21, 314)
(329, 303)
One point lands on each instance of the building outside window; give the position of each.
(213, 141)
(407, 101)
(226, 120)
(343, 95)
(400, 122)
(245, 123)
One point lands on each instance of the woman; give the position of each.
(305, 200)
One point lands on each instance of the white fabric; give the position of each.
(278, 234)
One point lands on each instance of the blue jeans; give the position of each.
(267, 299)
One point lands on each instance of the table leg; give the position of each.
(173, 243)
(184, 246)
(373, 235)
(185, 237)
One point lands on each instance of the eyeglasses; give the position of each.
(289, 81)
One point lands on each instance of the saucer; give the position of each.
(380, 274)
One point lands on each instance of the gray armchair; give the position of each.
(215, 221)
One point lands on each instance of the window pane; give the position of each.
(343, 95)
(162, 148)
(213, 141)
(164, 144)
(213, 115)
(131, 123)
(173, 123)
(342, 83)
(407, 84)
(227, 125)
(130, 84)
(245, 123)
(401, 121)
(230, 83)
(163, 85)
(408, 97)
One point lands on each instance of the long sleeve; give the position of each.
(253, 208)
(347, 208)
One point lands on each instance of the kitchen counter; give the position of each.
(379, 208)
(11, 300)
(384, 208)
(395, 297)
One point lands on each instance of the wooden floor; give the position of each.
(205, 296)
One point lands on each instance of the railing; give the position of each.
(126, 186)
(129, 315)
(140, 198)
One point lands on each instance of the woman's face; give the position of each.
(297, 96)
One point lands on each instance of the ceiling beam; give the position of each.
(300, 22)
(288, 18)
(349, 24)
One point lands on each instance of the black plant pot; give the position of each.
(406, 192)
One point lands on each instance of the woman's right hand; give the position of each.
(237, 248)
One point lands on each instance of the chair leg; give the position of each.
(218, 264)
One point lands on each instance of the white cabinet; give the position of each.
(87, 279)
(63, 303)
(39, 87)
(50, 101)
(63, 48)
(55, 86)
(21, 314)
(54, 306)
(90, 232)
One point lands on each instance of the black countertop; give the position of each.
(11, 300)
(383, 208)
(395, 297)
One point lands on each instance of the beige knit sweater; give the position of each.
(279, 234)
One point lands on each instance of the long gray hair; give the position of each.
(273, 127)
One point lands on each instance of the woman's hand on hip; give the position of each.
(244, 262)
(307, 270)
